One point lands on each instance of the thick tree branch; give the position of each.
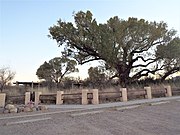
(145, 65)
(173, 70)
(147, 71)
(83, 62)
(116, 75)
(145, 60)
(146, 47)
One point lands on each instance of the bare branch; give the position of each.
(6, 75)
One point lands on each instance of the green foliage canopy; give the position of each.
(56, 69)
(170, 57)
(126, 46)
(96, 76)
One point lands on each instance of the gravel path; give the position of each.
(146, 119)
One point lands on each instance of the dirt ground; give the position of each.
(160, 119)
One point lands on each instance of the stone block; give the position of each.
(28, 109)
(59, 97)
(37, 94)
(2, 99)
(168, 91)
(13, 110)
(95, 99)
(123, 94)
(42, 107)
(84, 97)
(9, 106)
(148, 92)
(27, 97)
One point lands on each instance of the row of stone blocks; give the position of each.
(27, 98)
(85, 92)
(123, 95)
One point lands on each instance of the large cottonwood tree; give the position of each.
(126, 46)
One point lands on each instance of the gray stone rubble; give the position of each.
(30, 107)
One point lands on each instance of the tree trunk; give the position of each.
(123, 75)
(1, 87)
(123, 80)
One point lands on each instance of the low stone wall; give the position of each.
(91, 96)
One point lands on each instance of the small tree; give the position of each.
(56, 69)
(6, 76)
(96, 76)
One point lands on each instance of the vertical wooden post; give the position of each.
(32, 86)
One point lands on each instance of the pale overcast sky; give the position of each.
(24, 24)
